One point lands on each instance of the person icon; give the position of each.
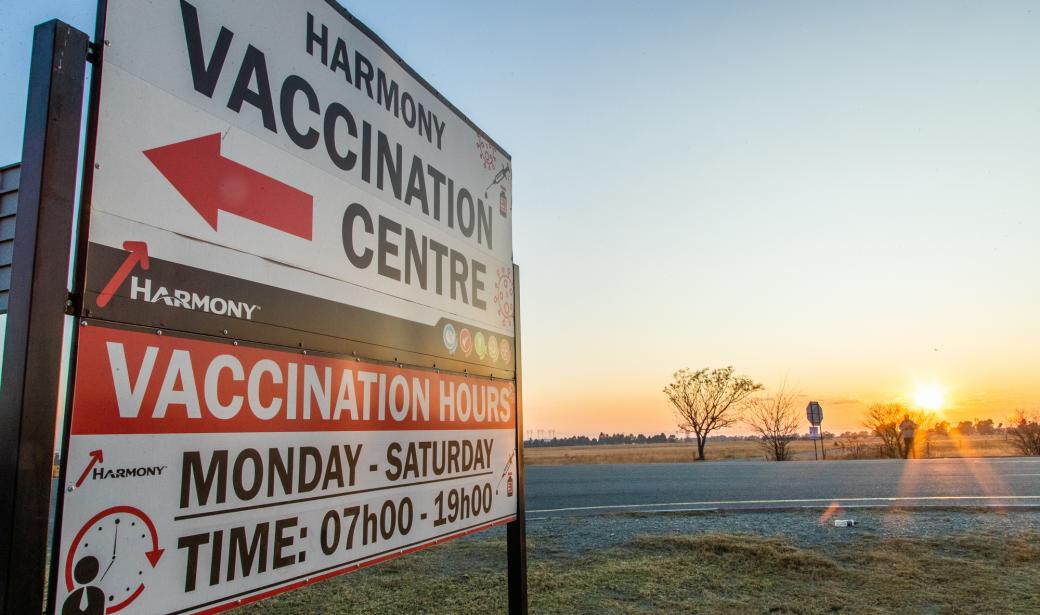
(88, 599)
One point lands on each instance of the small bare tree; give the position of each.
(884, 420)
(1025, 432)
(775, 419)
(707, 400)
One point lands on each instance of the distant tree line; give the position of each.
(623, 438)
(604, 438)
(886, 421)
(968, 428)
(945, 428)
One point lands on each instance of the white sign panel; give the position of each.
(290, 161)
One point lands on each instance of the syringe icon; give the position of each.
(502, 175)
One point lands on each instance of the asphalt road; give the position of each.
(554, 491)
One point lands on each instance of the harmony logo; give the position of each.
(137, 255)
(103, 473)
(141, 289)
(141, 471)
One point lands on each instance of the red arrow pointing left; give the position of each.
(212, 183)
(95, 457)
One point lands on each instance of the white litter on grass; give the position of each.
(844, 523)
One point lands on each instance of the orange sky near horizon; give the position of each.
(650, 413)
(626, 396)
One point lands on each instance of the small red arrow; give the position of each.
(138, 254)
(95, 457)
(156, 552)
(212, 183)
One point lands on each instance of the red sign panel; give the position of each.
(208, 473)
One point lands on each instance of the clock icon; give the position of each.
(109, 561)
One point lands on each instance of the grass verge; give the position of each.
(704, 573)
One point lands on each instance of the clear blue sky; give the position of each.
(846, 195)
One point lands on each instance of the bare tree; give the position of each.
(707, 400)
(884, 420)
(1025, 432)
(775, 419)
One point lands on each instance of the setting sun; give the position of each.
(929, 397)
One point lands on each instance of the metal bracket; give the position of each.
(93, 53)
(71, 303)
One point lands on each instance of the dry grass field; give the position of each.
(965, 573)
(936, 446)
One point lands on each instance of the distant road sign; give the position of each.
(814, 432)
(814, 412)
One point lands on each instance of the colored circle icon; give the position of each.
(493, 348)
(465, 342)
(451, 339)
(503, 349)
(480, 345)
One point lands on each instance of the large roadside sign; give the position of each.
(296, 351)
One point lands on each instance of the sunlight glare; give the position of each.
(929, 397)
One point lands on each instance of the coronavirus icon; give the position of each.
(465, 342)
(451, 341)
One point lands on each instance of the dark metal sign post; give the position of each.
(814, 412)
(516, 532)
(36, 313)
